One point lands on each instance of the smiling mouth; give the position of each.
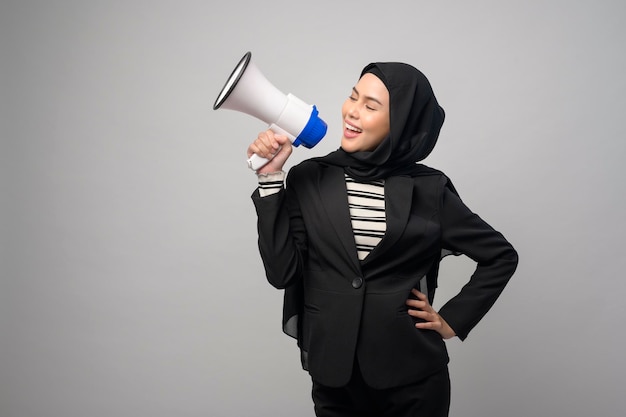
(353, 128)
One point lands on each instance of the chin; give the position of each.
(348, 147)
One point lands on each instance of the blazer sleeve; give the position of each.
(281, 236)
(465, 232)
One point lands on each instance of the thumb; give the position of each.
(285, 149)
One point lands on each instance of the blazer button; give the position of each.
(357, 282)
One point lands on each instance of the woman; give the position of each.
(355, 238)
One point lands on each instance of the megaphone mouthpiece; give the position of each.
(313, 132)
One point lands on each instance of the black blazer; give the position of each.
(357, 309)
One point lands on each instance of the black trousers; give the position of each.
(429, 397)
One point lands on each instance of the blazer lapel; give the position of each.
(398, 201)
(334, 198)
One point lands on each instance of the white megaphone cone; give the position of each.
(248, 91)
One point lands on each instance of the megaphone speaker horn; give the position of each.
(232, 80)
(248, 91)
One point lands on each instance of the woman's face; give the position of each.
(365, 115)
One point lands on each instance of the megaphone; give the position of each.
(248, 91)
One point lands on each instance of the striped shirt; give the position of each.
(366, 201)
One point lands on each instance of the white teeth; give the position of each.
(352, 128)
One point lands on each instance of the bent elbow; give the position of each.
(511, 258)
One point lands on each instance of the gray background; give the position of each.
(130, 280)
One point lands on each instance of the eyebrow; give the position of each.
(367, 97)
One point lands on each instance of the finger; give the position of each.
(421, 295)
(259, 149)
(430, 325)
(265, 146)
(416, 304)
(280, 145)
(285, 147)
(276, 139)
(424, 315)
(421, 298)
(253, 149)
(420, 314)
(431, 317)
(279, 138)
(266, 143)
(417, 294)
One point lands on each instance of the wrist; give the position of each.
(270, 182)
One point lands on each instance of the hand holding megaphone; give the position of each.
(276, 147)
(248, 91)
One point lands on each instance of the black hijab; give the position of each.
(415, 120)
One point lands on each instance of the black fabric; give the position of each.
(415, 120)
(307, 246)
(426, 397)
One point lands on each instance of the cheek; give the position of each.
(383, 125)
(380, 132)
(379, 124)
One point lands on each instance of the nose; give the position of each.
(353, 110)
